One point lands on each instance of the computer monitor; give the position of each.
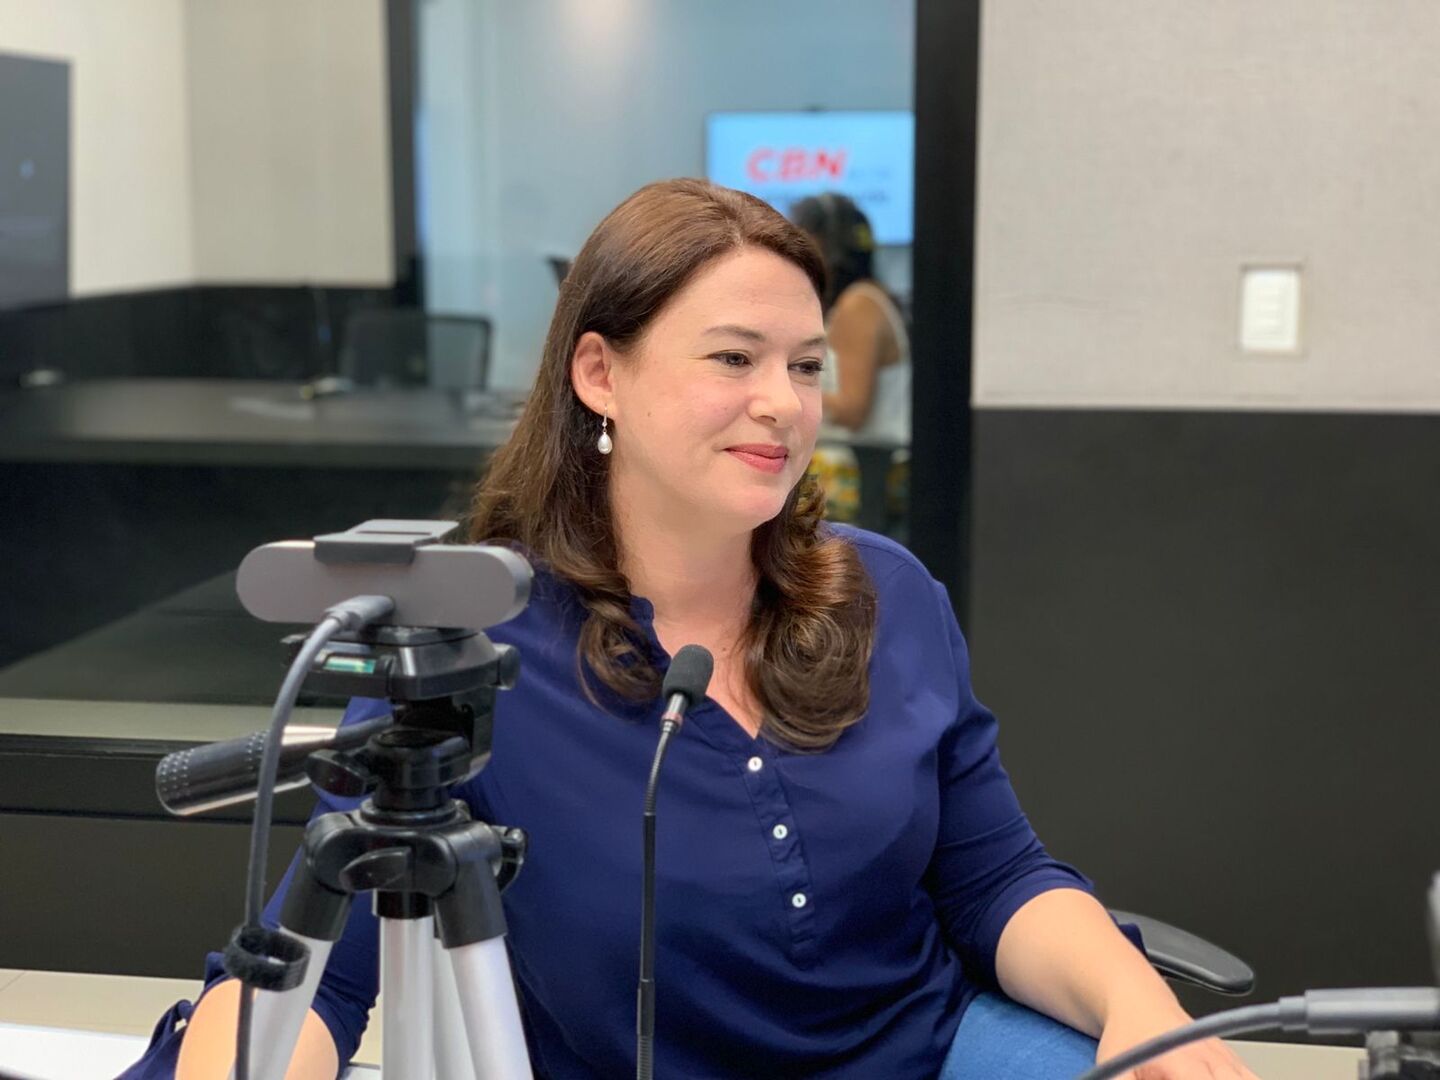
(34, 180)
(785, 156)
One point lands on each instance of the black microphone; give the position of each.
(684, 685)
(686, 682)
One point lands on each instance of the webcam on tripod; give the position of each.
(398, 615)
(427, 656)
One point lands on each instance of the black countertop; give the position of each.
(250, 422)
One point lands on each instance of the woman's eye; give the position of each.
(732, 359)
(809, 367)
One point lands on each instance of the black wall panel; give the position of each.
(124, 897)
(86, 544)
(1213, 640)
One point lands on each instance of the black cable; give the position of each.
(350, 615)
(1316, 1012)
(1230, 1022)
(645, 1003)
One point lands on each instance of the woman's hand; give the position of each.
(1061, 955)
(1209, 1059)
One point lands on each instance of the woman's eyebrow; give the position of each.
(748, 334)
(730, 329)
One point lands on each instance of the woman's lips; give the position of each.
(768, 460)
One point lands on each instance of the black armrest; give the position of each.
(1187, 958)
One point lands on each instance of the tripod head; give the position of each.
(439, 672)
(438, 681)
(428, 657)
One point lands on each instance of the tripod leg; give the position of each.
(472, 927)
(492, 1013)
(452, 1045)
(315, 914)
(406, 957)
(278, 1017)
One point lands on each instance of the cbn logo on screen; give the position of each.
(767, 165)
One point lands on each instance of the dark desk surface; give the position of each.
(83, 725)
(248, 422)
(197, 647)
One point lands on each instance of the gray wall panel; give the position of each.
(1135, 154)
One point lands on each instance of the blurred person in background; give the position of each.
(866, 395)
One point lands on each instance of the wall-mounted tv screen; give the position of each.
(34, 180)
(785, 156)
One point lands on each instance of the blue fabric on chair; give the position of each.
(1000, 1038)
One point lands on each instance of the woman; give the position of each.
(842, 864)
(870, 394)
(866, 391)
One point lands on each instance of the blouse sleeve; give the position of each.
(988, 861)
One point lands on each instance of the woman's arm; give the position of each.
(1020, 918)
(857, 332)
(208, 1050)
(1061, 954)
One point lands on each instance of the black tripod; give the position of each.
(427, 861)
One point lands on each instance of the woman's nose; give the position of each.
(775, 397)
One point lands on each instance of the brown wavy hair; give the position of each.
(812, 625)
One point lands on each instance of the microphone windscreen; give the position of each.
(689, 673)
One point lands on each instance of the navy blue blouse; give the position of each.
(818, 913)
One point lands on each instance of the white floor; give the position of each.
(41, 1010)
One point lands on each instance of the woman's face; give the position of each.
(717, 407)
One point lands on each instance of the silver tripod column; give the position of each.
(407, 957)
(451, 1015)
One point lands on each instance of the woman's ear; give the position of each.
(592, 373)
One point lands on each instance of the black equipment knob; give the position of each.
(339, 773)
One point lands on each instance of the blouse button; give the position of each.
(780, 832)
(754, 764)
(799, 900)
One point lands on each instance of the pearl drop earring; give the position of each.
(605, 445)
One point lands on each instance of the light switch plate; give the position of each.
(1270, 308)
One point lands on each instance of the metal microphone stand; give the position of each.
(1401, 1055)
(1409, 1055)
(449, 1013)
